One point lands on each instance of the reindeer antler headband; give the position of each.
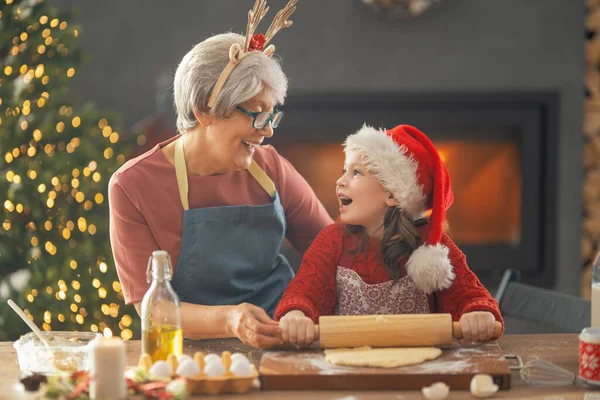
(254, 42)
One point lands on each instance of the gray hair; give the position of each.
(200, 68)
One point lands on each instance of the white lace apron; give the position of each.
(355, 297)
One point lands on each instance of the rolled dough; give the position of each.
(381, 357)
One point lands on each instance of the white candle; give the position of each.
(107, 367)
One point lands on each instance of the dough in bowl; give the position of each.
(381, 357)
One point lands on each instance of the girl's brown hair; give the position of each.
(400, 238)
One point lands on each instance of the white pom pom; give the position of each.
(430, 269)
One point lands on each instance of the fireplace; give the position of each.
(500, 150)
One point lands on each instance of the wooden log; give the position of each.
(592, 80)
(591, 156)
(592, 3)
(594, 141)
(593, 210)
(592, 50)
(587, 248)
(592, 18)
(592, 228)
(591, 191)
(591, 120)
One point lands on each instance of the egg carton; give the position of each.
(204, 384)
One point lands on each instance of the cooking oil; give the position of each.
(160, 341)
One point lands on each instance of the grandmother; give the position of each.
(217, 199)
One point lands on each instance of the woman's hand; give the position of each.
(297, 329)
(253, 326)
(477, 326)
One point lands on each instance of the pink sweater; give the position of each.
(146, 212)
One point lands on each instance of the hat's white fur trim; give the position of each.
(392, 165)
(430, 269)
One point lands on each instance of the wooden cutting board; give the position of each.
(308, 370)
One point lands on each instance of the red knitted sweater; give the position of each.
(313, 290)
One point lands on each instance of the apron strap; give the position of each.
(182, 179)
(181, 173)
(262, 178)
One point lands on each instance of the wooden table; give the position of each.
(561, 349)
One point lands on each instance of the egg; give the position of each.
(211, 356)
(214, 368)
(437, 391)
(236, 356)
(188, 368)
(482, 386)
(161, 369)
(184, 357)
(241, 367)
(240, 360)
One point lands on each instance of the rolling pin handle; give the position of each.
(457, 332)
(316, 332)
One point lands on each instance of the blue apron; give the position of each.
(230, 254)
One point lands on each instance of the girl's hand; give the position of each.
(297, 329)
(253, 326)
(477, 326)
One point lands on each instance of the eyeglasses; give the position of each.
(261, 119)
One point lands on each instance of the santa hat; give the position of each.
(407, 164)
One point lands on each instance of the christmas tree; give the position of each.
(56, 159)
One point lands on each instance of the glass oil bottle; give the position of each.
(161, 314)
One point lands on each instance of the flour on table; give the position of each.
(381, 357)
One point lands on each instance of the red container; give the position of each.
(589, 356)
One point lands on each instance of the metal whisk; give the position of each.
(539, 372)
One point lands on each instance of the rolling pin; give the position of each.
(403, 330)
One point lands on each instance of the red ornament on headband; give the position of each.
(257, 43)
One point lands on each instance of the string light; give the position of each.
(103, 267)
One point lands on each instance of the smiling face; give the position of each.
(234, 139)
(363, 201)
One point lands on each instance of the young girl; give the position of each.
(386, 258)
